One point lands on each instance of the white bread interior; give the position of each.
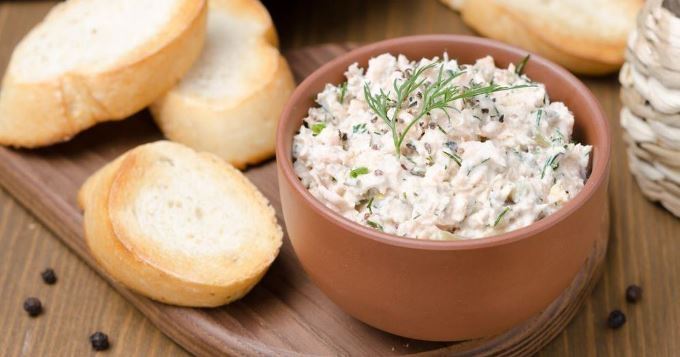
(230, 101)
(90, 61)
(178, 226)
(587, 37)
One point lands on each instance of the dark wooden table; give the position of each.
(644, 246)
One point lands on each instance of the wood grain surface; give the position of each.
(644, 246)
(285, 314)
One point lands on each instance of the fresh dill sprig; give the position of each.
(437, 95)
(381, 103)
(519, 68)
(501, 215)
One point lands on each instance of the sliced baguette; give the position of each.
(90, 61)
(453, 4)
(180, 227)
(230, 100)
(588, 38)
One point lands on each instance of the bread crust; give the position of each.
(40, 113)
(574, 41)
(242, 132)
(491, 19)
(153, 276)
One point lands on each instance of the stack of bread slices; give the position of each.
(204, 67)
(181, 226)
(650, 94)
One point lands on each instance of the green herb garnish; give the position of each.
(317, 128)
(500, 216)
(519, 68)
(359, 128)
(374, 225)
(454, 157)
(437, 95)
(358, 172)
(539, 114)
(369, 205)
(475, 166)
(343, 92)
(552, 162)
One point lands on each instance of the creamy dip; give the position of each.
(477, 167)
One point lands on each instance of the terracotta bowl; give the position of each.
(446, 290)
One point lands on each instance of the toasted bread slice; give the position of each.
(96, 60)
(178, 226)
(453, 4)
(596, 29)
(588, 38)
(230, 100)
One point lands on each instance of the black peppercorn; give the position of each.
(99, 341)
(633, 294)
(33, 306)
(616, 319)
(48, 276)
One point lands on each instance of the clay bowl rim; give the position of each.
(598, 174)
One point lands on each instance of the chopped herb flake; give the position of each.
(317, 128)
(375, 225)
(552, 162)
(539, 114)
(454, 157)
(429, 160)
(558, 137)
(475, 166)
(500, 216)
(519, 68)
(369, 205)
(343, 92)
(359, 128)
(358, 172)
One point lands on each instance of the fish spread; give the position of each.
(434, 149)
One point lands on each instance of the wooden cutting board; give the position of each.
(285, 314)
